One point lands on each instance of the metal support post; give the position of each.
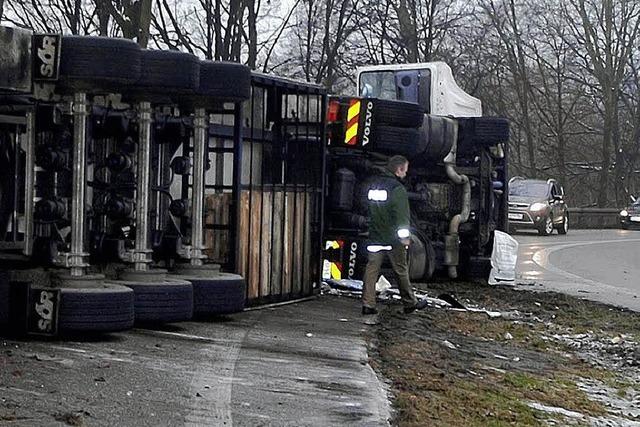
(141, 252)
(29, 182)
(78, 254)
(234, 232)
(200, 142)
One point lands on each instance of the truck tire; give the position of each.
(422, 258)
(397, 140)
(97, 63)
(397, 113)
(437, 135)
(168, 72)
(417, 259)
(223, 293)
(168, 301)
(490, 130)
(4, 298)
(104, 308)
(224, 81)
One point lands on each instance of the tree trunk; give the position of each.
(253, 34)
(75, 19)
(209, 24)
(560, 134)
(230, 35)
(407, 24)
(605, 153)
(145, 23)
(218, 31)
(307, 59)
(103, 18)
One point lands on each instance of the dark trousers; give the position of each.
(398, 257)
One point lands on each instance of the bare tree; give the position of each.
(83, 17)
(319, 37)
(557, 97)
(608, 31)
(216, 29)
(505, 17)
(630, 148)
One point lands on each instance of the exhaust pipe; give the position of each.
(452, 240)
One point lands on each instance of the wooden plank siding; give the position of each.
(217, 242)
(274, 238)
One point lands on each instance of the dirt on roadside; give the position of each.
(521, 358)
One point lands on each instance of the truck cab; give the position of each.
(457, 177)
(431, 85)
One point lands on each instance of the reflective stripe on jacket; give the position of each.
(388, 210)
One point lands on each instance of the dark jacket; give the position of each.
(388, 209)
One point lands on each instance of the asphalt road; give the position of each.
(600, 265)
(304, 364)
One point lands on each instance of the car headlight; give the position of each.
(538, 206)
(624, 212)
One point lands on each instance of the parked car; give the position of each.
(630, 216)
(537, 204)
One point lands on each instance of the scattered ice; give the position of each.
(554, 410)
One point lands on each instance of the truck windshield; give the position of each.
(378, 84)
(528, 189)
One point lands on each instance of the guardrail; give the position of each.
(582, 218)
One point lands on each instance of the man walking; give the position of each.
(389, 235)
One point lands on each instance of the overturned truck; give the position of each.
(135, 184)
(457, 180)
(104, 159)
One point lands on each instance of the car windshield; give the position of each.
(528, 189)
(636, 204)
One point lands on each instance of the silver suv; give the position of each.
(537, 204)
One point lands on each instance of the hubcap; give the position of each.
(566, 224)
(549, 226)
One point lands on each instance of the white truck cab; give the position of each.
(430, 84)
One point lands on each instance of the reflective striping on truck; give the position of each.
(353, 117)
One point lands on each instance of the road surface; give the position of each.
(601, 265)
(304, 364)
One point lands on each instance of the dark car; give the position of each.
(537, 204)
(630, 216)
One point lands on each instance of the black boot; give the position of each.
(418, 306)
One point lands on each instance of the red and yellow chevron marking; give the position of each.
(353, 117)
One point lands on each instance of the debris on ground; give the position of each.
(521, 357)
